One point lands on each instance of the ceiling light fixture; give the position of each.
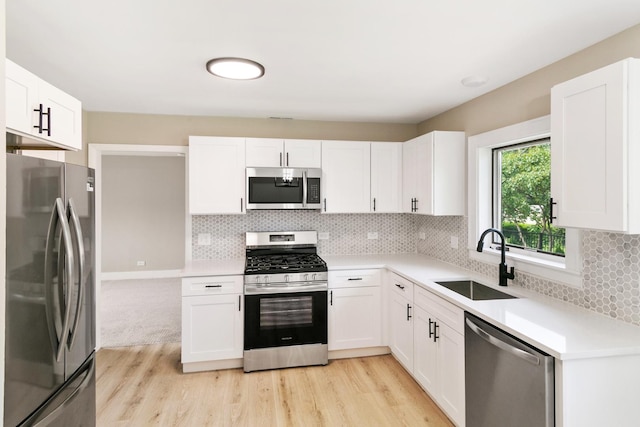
(474, 81)
(235, 68)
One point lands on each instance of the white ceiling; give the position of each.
(398, 61)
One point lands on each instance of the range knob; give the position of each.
(305, 277)
(266, 279)
(258, 279)
(313, 276)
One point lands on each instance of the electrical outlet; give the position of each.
(141, 263)
(204, 239)
(454, 242)
(422, 235)
(372, 235)
(323, 236)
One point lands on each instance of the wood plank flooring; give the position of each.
(145, 386)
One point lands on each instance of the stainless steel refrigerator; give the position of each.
(50, 299)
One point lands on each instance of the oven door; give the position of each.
(285, 319)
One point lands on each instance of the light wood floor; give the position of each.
(144, 386)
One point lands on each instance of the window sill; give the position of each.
(549, 270)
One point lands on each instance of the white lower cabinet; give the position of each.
(212, 318)
(355, 309)
(438, 363)
(400, 293)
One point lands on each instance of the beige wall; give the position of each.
(529, 97)
(123, 128)
(143, 213)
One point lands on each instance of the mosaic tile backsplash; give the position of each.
(611, 263)
(347, 233)
(611, 267)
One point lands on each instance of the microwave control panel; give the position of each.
(313, 190)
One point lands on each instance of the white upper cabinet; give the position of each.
(216, 175)
(346, 177)
(386, 177)
(269, 152)
(434, 174)
(36, 109)
(595, 149)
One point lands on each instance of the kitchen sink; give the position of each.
(474, 290)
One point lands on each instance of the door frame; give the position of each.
(95, 155)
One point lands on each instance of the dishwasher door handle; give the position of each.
(531, 358)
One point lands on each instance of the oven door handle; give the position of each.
(274, 289)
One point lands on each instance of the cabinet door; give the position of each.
(589, 148)
(401, 330)
(424, 174)
(65, 116)
(346, 178)
(216, 175)
(425, 362)
(451, 372)
(264, 152)
(212, 328)
(386, 176)
(409, 170)
(21, 96)
(302, 153)
(447, 156)
(355, 319)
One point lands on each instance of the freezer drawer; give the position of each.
(508, 382)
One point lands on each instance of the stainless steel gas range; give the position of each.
(285, 288)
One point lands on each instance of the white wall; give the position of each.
(143, 213)
(3, 216)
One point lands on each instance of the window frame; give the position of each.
(480, 206)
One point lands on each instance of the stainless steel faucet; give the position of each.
(504, 274)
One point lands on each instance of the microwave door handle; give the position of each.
(304, 189)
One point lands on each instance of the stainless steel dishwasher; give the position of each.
(508, 382)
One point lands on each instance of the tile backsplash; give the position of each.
(611, 262)
(347, 232)
(611, 267)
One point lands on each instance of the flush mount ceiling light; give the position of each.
(235, 68)
(474, 81)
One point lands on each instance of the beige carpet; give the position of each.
(139, 312)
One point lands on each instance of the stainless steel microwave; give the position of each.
(283, 188)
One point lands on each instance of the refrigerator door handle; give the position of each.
(58, 339)
(75, 221)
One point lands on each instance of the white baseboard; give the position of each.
(128, 275)
(358, 352)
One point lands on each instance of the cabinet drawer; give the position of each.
(401, 286)
(446, 312)
(354, 278)
(212, 285)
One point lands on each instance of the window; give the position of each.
(521, 195)
(489, 204)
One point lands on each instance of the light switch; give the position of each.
(204, 239)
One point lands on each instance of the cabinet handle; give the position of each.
(331, 298)
(435, 331)
(431, 322)
(413, 205)
(408, 312)
(551, 217)
(40, 125)
(287, 159)
(325, 204)
(354, 278)
(374, 204)
(212, 286)
(241, 204)
(416, 205)
(399, 286)
(239, 302)
(280, 159)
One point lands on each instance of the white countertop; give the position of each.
(561, 329)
